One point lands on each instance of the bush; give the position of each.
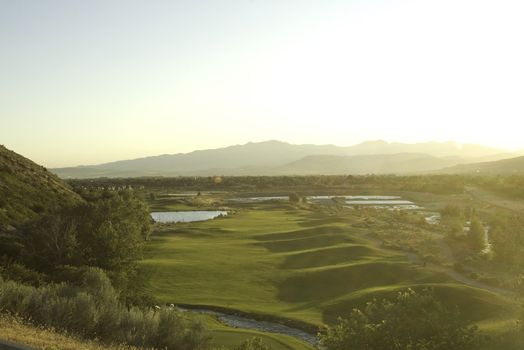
(93, 310)
(412, 321)
(253, 344)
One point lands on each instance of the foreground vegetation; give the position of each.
(17, 330)
(313, 266)
(412, 321)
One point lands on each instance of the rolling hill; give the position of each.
(277, 158)
(28, 189)
(512, 166)
(402, 163)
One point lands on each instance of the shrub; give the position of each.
(93, 310)
(253, 344)
(412, 321)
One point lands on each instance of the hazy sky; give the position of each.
(86, 82)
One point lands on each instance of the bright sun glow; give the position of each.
(168, 77)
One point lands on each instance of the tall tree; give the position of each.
(477, 234)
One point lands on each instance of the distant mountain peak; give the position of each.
(255, 158)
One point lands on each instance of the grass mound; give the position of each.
(475, 305)
(330, 256)
(331, 282)
(303, 233)
(290, 245)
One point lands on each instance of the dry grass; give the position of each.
(15, 330)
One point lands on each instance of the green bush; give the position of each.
(93, 310)
(413, 320)
(253, 344)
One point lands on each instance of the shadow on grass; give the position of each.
(326, 284)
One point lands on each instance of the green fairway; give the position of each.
(297, 264)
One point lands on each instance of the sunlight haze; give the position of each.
(96, 81)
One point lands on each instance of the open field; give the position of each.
(302, 265)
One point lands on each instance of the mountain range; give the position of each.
(281, 158)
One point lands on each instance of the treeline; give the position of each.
(107, 230)
(440, 184)
(510, 186)
(507, 239)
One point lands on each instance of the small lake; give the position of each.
(170, 217)
(365, 198)
(372, 201)
(379, 202)
(311, 198)
(259, 199)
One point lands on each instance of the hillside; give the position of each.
(27, 189)
(512, 166)
(403, 163)
(272, 158)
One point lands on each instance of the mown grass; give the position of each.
(295, 264)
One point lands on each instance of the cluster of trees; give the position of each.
(107, 230)
(442, 184)
(507, 239)
(416, 321)
(511, 186)
(454, 220)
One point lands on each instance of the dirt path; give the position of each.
(469, 281)
(450, 272)
(496, 200)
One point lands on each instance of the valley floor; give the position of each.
(303, 267)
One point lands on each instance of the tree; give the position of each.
(107, 232)
(253, 344)
(413, 320)
(477, 234)
(113, 231)
(293, 197)
(52, 240)
(455, 227)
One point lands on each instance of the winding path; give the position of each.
(450, 272)
(495, 199)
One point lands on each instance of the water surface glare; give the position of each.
(380, 202)
(186, 216)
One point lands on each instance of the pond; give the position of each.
(311, 198)
(259, 199)
(379, 202)
(166, 217)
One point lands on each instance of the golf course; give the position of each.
(305, 265)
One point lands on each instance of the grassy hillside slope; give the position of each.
(512, 166)
(28, 189)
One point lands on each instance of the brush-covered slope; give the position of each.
(501, 167)
(28, 189)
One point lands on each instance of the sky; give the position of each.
(86, 82)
